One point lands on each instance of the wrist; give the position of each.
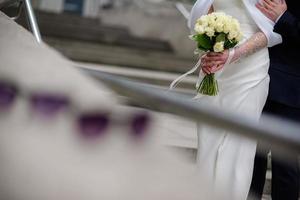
(237, 54)
(284, 23)
(231, 53)
(278, 18)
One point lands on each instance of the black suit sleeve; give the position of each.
(288, 26)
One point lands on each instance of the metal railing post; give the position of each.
(32, 21)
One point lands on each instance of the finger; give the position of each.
(213, 54)
(266, 6)
(269, 3)
(268, 13)
(283, 2)
(203, 56)
(214, 63)
(205, 70)
(212, 69)
(207, 67)
(225, 55)
(213, 59)
(264, 10)
(259, 5)
(219, 67)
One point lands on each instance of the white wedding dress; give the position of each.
(224, 159)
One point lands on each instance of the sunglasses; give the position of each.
(90, 124)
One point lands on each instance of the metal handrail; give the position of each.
(280, 135)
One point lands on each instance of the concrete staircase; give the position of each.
(78, 28)
(89, 40)
(92, 30)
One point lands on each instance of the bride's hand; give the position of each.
(213, 62)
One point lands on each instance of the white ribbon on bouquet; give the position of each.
(180, 78)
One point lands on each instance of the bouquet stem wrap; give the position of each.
(209, 85)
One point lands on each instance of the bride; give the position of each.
(226, 160)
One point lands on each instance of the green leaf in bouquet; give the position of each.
(193, 37)
(204, 42)
(230, 44)
(221, 37)
(201, 48)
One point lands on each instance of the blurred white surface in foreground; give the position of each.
(48, 159)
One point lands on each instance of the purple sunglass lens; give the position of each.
(93, 125)
(140, 124)
(8, 93)
(49, 104)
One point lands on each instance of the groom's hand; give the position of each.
(273, 9)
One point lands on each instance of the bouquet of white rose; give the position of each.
(215, 32)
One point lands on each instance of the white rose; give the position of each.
(202, 23)
(226, 27)
(219, 47)
(221, 19)
(199, 29)
(217, 14)
(219, 27)
(203, 19)
(211, 21)
(232, 35)
(210, 32)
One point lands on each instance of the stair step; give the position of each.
(156, 79)
(121, 56)
(102, 34)
(66, 18)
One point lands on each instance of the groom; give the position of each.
(284, 95)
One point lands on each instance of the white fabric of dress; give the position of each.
(224, 159)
